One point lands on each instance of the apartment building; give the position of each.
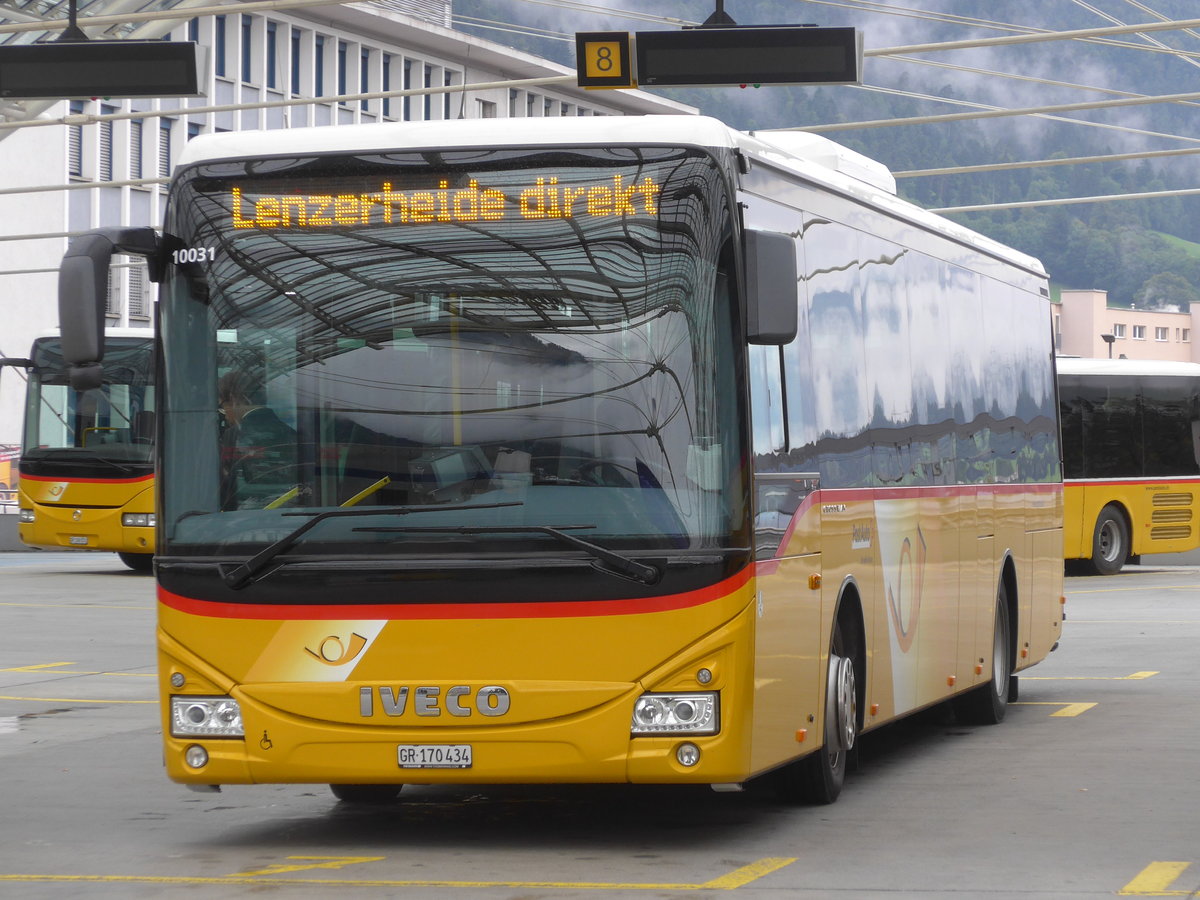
(1084, 319)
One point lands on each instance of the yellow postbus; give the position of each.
(86, 469)
(603, 450)
(1131, 459)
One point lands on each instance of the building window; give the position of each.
(295, 63)
(364, 77)
(487, 109)
(1139, 332)
(112, 303)
(272, 54)
(105, 172)
(387, 83)
(1187, 335)
(193, 30)
(135, 148)
(427, 106)
(319, 67)
(407, 115)
(219, 46)
(513, 102)
(247, 48)
(341, 69)
(447, 81)
(1119, 332)
(1161, 334)
(137, 292)
(75, 142)
(164, 149)
(194, 128)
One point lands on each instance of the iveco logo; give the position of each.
(429, 701)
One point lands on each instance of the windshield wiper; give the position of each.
(240, 575)
(611, 562)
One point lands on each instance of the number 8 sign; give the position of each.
(602, 59)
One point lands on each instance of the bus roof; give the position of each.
(1074, 365)
(811, 157)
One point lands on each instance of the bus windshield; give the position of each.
(524, 340)
(107, 432)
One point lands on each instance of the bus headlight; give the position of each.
(137, 520)
(219, 717)
(676, 714)
(25, 516)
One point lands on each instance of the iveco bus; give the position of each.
(594, 450)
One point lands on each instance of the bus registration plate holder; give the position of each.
(434, 756)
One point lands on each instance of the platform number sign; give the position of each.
(603, 59)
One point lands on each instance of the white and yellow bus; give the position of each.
(86, 467)
(1131, 459)
(621, 450)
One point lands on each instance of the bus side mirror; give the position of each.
(83, 295)
(771, 279)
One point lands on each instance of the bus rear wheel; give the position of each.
(139, 562)
(1110, 541)
(366, 793)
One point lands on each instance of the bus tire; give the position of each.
(819, 777)
(1110, 541)
(139, 562)
(366, 793)
(987, 704)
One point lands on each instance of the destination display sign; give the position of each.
(542, 198)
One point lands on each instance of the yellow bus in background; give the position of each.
(1131, 459)
(594, 450)
(87, 458)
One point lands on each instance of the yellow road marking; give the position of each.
(1136, 676)
(747, 874)
(731, 881)
(69, 700)
(329, 862)
(1155, 881)
(37, 667)
(1068, 709)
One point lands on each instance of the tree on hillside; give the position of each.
(1166, 290)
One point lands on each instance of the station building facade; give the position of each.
(73, 165)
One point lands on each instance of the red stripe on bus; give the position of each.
(60, 480)
(538, 610)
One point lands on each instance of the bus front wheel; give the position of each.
(1110, 541)
(366, 793)
(818, 778)
(139, 562)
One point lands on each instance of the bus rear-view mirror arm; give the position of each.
(771, 280)
(83, 294)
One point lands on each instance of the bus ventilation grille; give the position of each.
(1170, 532)
(1173, 499)
(1170, 515)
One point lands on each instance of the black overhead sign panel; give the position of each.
(85, 69)
(715, 56)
